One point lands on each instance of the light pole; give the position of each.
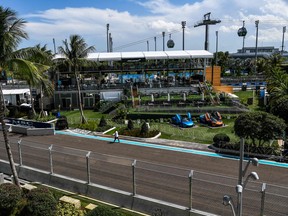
(163, 34)
(227, 200)
(155, 43)
(284, 30)
(183, 23)
(147, 45)
(107, 28)
(256, 47)
(216, 55)
(242, 32)
(54, 45)
(242, 174)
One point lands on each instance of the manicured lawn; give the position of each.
(198, 134)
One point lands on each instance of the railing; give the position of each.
(188, 188)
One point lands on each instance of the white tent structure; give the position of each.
(14, 96)
(148, 55)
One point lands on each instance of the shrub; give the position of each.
(40, 202)
(221, 138)
(103, 122)
(10, 196)
(90, 125)
(104, 211)
(130, 125)
(102, 129)
(286, 144)
(144, 129)
(67, 209)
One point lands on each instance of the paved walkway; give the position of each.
(176, 143)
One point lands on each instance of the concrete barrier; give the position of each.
(19, 129)
(29, 131)
(40, 131)
(121, 198)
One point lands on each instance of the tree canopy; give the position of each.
(259, 126)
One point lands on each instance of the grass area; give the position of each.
(198, 134)
(244, 95)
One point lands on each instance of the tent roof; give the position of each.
(148, 55)
(15, 91)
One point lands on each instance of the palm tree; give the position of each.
(223, 60)
(42, 59)
(277, 84)
(75, 53)
(11, 34)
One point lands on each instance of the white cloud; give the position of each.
(162, 15)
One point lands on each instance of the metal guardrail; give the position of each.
(188, 188)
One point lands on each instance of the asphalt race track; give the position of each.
(223, 167)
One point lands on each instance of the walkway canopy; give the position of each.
(148, 55)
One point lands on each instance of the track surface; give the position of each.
(173, 186)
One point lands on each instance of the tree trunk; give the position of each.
(6, 140)
(32, 101)
(83, 119)
(42, 104)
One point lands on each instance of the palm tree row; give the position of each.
(32, 64)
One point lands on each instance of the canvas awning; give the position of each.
(148, 55)
(15, 91)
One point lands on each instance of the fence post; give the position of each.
(190, 188)
(51, 159)
(263, 191)
(20, 152)
(133, 177)
(88, 167)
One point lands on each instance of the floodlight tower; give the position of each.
(207, 21)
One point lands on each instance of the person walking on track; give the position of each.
(116, 136)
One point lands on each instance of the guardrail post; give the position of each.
(190, 188)
(263, 191)
(134, 177)
(88, 167)
(20, 152)
(51, 159)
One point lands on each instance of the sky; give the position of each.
(134, 24)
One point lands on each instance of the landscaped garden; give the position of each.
(41, 200)
(198, 134)
(263, 127)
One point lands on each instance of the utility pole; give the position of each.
(284, 30)
(54, 45)
(216, 55)
(183, 23)
(107, 28)
(206, 22)
(110, 43)
(256, 47)
(147, 45)
(163, 34)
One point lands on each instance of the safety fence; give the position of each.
(189, 188)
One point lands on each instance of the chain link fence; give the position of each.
(189, 188)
